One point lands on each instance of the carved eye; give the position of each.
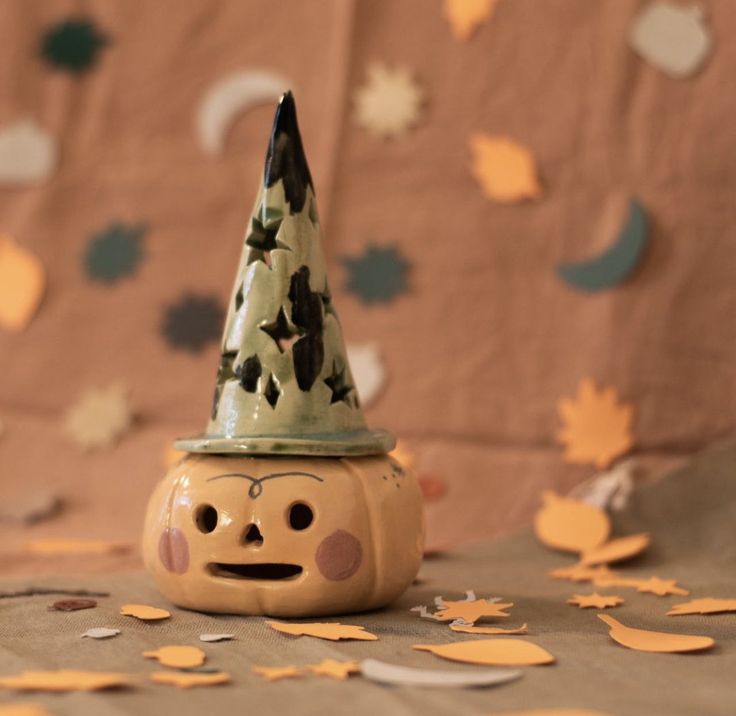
(300, 516)
(206, 518)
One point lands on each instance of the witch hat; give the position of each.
(284, 386)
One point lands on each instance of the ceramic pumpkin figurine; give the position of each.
(287, 505)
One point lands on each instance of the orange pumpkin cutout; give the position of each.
(570, 525)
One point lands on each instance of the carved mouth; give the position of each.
(271, 571)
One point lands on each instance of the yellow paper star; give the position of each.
(660, 587)
(595, 601)
(335, 669)
(276, 673)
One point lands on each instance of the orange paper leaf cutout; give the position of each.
(64, 680)
(185, 680)
(276, 673)
(597, 427)
(498, 631)
(17, 709)
(580, 573)
(465, 15)
(22, 284)
(339, 670)
(53, 546)
(656, 641)
(616, 550)
(144, 612)
(707, 605)
(570, 525)
(595, 600)
(505, 170)
(325, 630)
(178, 657)
(497, 652)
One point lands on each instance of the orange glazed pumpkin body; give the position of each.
(284, 536)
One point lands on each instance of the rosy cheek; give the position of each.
(173, 550)
(339, 556)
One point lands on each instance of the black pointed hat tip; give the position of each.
(285, 158)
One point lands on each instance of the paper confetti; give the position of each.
(581, 573)
(492, 652)
(672, 37)
(615, 264)
(72, 45)
(616, 550)
(178, 657)
(188, 680)
(378, 275)
(61, 546)
(28, 153)
(101, 633)
(229, 98)
(505, 170)
(64, 680)
(385, 673)
(368, 370)
(660, 587)
(609, 489)
(324, 630)
(276, 673)
(24, 709)
(193, 322)
(99, 417)
(595, 601)
(144, 612)
(114, 252)
(33, 505)
(216, 637)
(72, 605)
(656, 641)
(470, 609)
(389, 103)
(490, 630)
(570, 525)
(339, 670)
(706, 605)
(22, 284)
(464, 16)
(597, 427)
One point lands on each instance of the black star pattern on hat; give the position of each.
(340, 388)
(281, 331)
(263, 240)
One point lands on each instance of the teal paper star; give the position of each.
(114, 252)
(73, 44)
(378, 275)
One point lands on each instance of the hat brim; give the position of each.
(350, 444)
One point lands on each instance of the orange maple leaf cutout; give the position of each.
(467, 611)
(597, 427)
(595, 600)
(339, 670)
(464, 16)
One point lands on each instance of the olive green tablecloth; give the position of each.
(691, 515)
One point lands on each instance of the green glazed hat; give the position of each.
(284, 386)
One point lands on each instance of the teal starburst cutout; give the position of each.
(114, 252)
(72, 44)
(378, 275)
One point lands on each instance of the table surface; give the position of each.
(690, 514)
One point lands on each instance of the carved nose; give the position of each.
(253, 535)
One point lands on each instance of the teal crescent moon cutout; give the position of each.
(617, 262)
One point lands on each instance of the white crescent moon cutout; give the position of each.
(231, 96)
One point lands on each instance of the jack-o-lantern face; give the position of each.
(284, 536)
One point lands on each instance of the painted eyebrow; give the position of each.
(256, 483)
